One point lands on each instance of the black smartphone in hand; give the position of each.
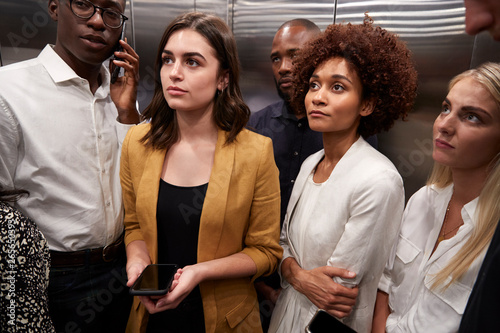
(119, 48)
(155, 280)
(323, 322)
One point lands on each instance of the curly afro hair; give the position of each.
(382, 62)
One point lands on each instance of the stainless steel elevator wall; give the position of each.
(433, 29)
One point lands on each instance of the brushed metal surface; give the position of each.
(433, 30)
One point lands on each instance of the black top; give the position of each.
(178, 214)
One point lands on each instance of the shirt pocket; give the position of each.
(406, 251)
(403, 273)
(455, 296)
(240, 313)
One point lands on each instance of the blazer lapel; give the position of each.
(147, 195)
(214, 206)
(301, 179)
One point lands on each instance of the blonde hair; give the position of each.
(488, 208)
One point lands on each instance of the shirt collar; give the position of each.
(286, 112)
(60, 71)
(443, 196)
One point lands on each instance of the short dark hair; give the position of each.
(300, 22)
(230, 112)
(382, 62)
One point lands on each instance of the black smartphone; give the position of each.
(119, 48)
(155, 280)
(323, 322)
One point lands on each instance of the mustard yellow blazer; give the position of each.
(241, 213)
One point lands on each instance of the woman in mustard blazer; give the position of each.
(199, 189)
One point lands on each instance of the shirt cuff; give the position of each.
(286, 254)
(122, 129)
(384, 283)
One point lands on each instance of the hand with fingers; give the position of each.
(124, 90)
(185, 281)
(318, 286)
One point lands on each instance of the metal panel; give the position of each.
(25, 28)
(254, 25)
(433, 30)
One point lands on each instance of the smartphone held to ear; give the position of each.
(155, 280)
(116, 70)
(323, 322)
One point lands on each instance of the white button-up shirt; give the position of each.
(62, 144)
(409, 274)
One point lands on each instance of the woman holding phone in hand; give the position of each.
(199, 190)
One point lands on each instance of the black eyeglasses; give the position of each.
(85, 9)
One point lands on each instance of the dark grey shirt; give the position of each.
(293, 142)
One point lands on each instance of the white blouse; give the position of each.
(409, 273)
(349, 221)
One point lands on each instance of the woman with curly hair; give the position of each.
(346, 205)
(449, 223)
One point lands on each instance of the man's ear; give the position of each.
(53, 9)
(367, 107)
(223, 80)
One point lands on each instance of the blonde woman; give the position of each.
(448, 224)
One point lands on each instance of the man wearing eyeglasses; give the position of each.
(61, 127)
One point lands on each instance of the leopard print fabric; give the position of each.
(24, 267)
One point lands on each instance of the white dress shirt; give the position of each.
(409, 274)
(349, 221)
(62, 144)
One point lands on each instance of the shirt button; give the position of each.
(99, 136)
(299, 125)
(292, 181)
(295, 153)
(108, 204)
(103, 171)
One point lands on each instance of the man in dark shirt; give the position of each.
(293, 140)
(482, 313)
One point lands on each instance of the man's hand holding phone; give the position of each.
(115, 69)
(124, 88)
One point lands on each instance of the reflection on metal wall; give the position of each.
(254, 25)
(433, 30)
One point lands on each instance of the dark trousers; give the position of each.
(90, 298)
(266, 306)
